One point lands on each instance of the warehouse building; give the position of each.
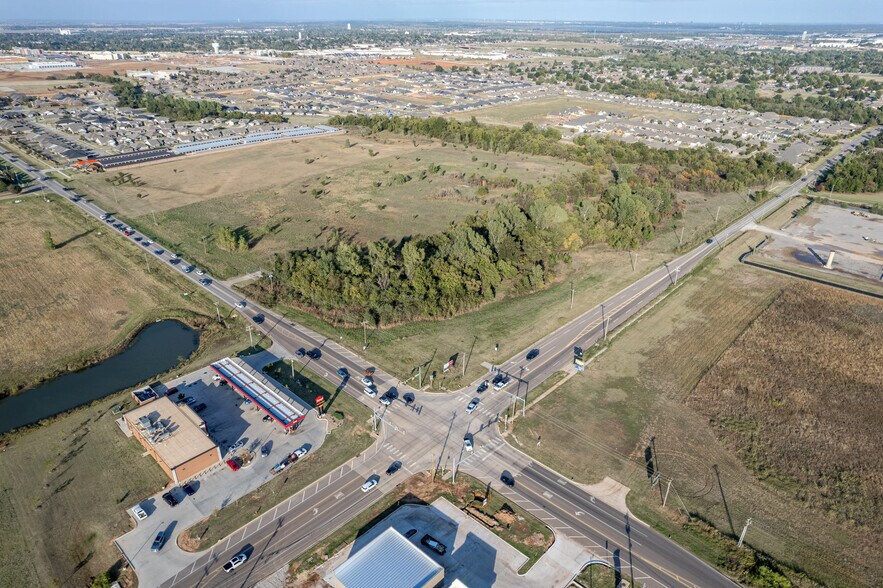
(175, 436)
(391, 561)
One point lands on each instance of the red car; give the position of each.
(233, 463)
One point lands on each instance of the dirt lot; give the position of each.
(273, 193)
(61, 309)
(642, 387)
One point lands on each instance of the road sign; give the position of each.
(448, 366)
(579, 368)
(320, 401)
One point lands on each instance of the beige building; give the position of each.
(175, 436)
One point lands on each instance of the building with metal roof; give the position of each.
(391, 561)
(287, 410)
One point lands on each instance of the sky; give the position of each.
(715, 11)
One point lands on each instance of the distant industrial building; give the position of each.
(175, 436)
(51, 65)
(390, 561)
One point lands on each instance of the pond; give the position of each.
(156, 349)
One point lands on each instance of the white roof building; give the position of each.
(390, 561)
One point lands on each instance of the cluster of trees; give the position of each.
(133, 96)
(705, 169)
(745, 96)
(230, 239)
(10, 179)
(861, 171)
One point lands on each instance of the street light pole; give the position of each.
(365, 333)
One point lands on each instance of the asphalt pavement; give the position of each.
(432, 437)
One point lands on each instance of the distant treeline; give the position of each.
(746, 97)
(703, 169)
(133, 96)
(861, 171)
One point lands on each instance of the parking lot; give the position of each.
(229, 418)
(474, 555)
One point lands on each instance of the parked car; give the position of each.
(235, 562)
(471, 406)
(532, 354)
(233, 464)
(393, 468)
(188, 489)
(200, 407)
(172, 390)
(299, 453)
(190, 400)
(434, 544)
(343, 373)
(236, 446)
(169, 499)
(267, 418)
(482, 387)
(139, 513)
(370, 390)
(370, 483)
(158, 542)
(265, 451)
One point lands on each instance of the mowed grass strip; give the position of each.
(600, 423)
(349, 436)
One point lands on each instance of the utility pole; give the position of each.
(218, 310)
(571, 295)
(717, 214)
(681, 236)
(656, 464)
(250, 338)
(633, 257)
(744, 530)
(665, 498)
(204, 246)
(603, 323)
(365, 332)
(147, 263)
(291, 361)
(153, 212)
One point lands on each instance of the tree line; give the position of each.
(861, 171)
(132, 95)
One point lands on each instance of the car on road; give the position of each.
(200, 272)
(532, 354)
(235, 562)
(174, 261)
(393, 468)
(482, 387)
(467, 443)
(104, 216)
(370, 390)
(386, 399)
(187, 269)
(258, 319)
(501, 382)
(433, 544)
(175, 256)
(205, 282)
(709, 240)
(188, 489)
(75, 198)
(267, 418)
(343, 373)
(170, 500)
(200, 407)
(158, 542)
(240, 304)
(128, 232)
(265, 451)
(139, 512)
(507, 479)
(147, 242)
(159, 251)
(368, 380)
(300, 352)
(233, 464)
(471, 406)
(408, 397)
(137, 238)
(109, 220)
(314, 353)
(370, 483)
(236, 446)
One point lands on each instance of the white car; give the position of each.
(369, 484)
(235, 562)
(240, 304)
(467, 444)
(139, 513)
(200, 272)
(472, 405)
(367, 380)
(370, 391)
(299, 453)
(236, 446)
(385, 400)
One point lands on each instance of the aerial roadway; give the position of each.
(431, 438)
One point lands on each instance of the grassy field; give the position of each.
(858, 198)
(64, 308)
(599, 576)
(349, 436)
(643, 387)
(529, 536)
(66, 484)
(273, 194)
(536, 111)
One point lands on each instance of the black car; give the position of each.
(393, 468)
(200, 407)
(433, 543)
(532, 354)
(159, 541)
(408, 398)
(482, 387)
(267, 418)
(314, 354)
(709, 241)
(170, 500)
(300, 352)
(258, 318)
(188, 489)
(410, 533)
(343, 373)
(507, 479)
